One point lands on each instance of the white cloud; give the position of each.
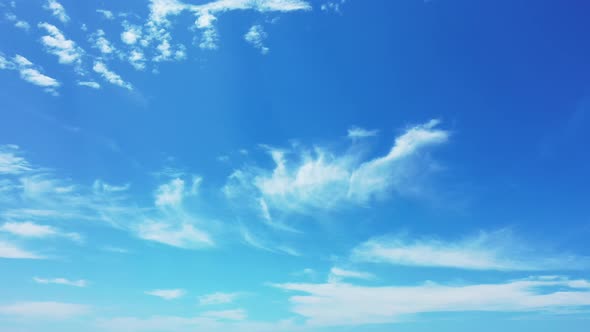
(18, 23)
(170, 194)
(57, 44)
(61, 281)
(137, 59)
(376, 176)
(167, 294)
(32, 230)
(184, 235)
(487, 251)
(101, 43)
(11, 251)
(206, 13)
(106, 13)
(45, 310)
(213, 322)
(100, 186)
(256, 36)
(217, 298)
(11, 162)
(57, 10)
(318, 179)
(338, 274)
(341, 304)
(90, 84)
(235, 314)
(32, 75)
(208, 39)
(358, 133)
(109, 76)
(334, 6)
(131, 34)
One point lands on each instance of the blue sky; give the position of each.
(294, 165)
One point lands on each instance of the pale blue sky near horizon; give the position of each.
(294, 165)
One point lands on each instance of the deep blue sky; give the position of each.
(294, 165)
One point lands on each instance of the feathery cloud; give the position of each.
(341, 304)
(486, 251)
(61, 281)
(31, 74)
(217, 298)
(11, 251)
(32, 230)
(44, 310)
(57, 10)
(167, 294)
(110, 76)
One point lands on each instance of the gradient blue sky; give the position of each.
(294, 165)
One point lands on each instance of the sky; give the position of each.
(294, 165)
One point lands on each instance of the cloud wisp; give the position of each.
(341, 304)
(485, 251)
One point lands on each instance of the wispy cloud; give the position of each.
(33, 230)
(235, 314)
(486, 251)
(30, 73)
(340, 304)
(338, 274)
(61, 281)
(44, 310)
(106, 14)
(318, 179)
(110, 76)
(57, 10)
(11, 160)
(101, 43)
(167, 294)
(89, 84)
(256, 36)
(12, 251)
(356, 133)
(217, 298)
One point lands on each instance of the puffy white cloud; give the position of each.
(57, 10)
(44, 310)
(217, 298)
(110, 76)
(56, 43)
(131, 33)
(256, 36)
(486, 251)
(61, 281)
(167, 294)
(340, 304)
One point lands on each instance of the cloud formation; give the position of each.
(486, 251)
(341, 304)
(57, 10)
